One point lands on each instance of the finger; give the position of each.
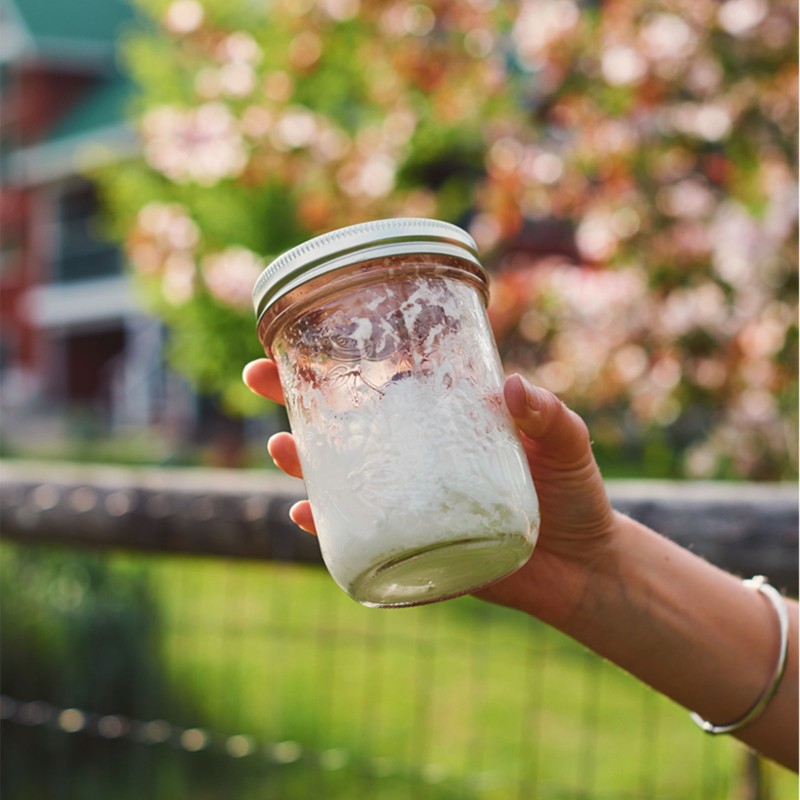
(300, 514)
(559, 433)
(261, 377)
(283, 450)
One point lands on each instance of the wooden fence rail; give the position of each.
(745, 528)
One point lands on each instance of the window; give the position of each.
(82, 252)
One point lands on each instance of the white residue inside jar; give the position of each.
(416, 467)
(412, 464)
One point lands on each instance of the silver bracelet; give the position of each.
(760, 584)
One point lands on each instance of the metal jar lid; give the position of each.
(367, 241)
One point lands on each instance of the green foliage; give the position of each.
(70, 623)
(203, 334)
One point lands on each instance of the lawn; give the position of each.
(472, 695)
(325, 698)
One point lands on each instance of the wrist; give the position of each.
(581, 585)
(559, 585)
(629, 584)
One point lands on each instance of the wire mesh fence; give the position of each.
(143, 673)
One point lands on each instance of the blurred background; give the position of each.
(629, 171)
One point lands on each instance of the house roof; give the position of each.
(103, 106)
(94, 132)
(65, 36)
(78, 32)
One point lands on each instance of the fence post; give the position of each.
(753, 784)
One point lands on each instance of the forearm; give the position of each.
(691, 631)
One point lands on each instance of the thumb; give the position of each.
(559, 434)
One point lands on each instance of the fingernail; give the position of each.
(293, 515)
(532, 396)
(244, 372)
(521, 397)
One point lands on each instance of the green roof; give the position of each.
(73, 29)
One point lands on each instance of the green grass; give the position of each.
(479, 696)
(458, 700)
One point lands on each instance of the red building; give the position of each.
(74, 344)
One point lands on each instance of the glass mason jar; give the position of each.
(418, 482)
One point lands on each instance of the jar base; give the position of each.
(440, 571)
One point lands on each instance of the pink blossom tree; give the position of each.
(627, 168)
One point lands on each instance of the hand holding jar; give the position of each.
(576, 516)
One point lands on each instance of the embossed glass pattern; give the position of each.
(418, 482)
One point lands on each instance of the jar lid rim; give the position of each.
(367, 240)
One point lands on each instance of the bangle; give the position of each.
(760, 584)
